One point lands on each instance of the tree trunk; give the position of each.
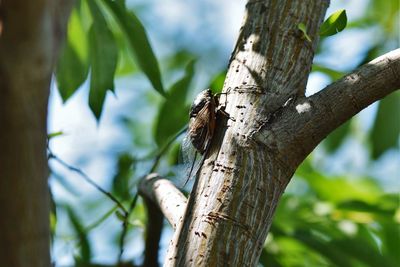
(231, 207)
(254, 155)
(30, 33)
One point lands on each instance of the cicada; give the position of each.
(202, 121)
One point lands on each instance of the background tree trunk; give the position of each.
(30, 34)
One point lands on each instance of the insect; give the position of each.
(203, 114)
(202, 120)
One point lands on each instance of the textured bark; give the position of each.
(233, 201)
(299, 127)
(169, 199)
(30, 33)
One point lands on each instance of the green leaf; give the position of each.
(126, 64)
(335, 139)
(386, 129)
(53, 216)
(174, 154)
(320, 245)
(176, 60)
(386, 14)
(268, 260)
(85, 249)
(373, 209)
(372, 53)
(217, 83)
(390, 234)
(339, 189)
(72, 66)
(103, 58)
(303, 29)
(139, 43)
(333, 74)
(357, 248)
(55, 134)
(173, 114)
(334, 23)
(123, 176)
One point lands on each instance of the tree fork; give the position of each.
(233, 201)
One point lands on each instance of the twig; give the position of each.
(89, 180)
(101, 219)
(125, 228)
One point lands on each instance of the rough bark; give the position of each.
(30, 34)
(299, 127)
(234, 198)
(169, 199)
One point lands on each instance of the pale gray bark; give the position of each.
(169, 199)
(233, 201)
(299, 127)
(30, 34)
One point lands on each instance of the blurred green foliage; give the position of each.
(327, 221)
(336, 221)
(102, 58)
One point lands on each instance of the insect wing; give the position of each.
(201, 128)
(190, 159)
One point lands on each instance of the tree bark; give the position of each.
(169, 199)
(233, 200)
(30, 35)
(299, 127)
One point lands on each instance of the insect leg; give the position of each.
(226, 114)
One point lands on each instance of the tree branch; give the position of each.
(169, 199)
(153, 233)
(125, 226)
(301, 126)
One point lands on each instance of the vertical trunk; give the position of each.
(28, 42)
(232, 204)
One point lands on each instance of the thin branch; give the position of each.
(301, 126)
(125, 226)
(101, 219)
(169, 199)
(89, 180)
